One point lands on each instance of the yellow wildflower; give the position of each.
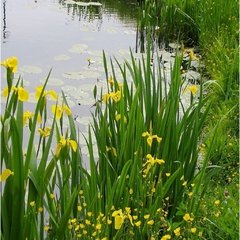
(79, 208)
(118, 117)
(44, 132)
(217, 202)
(82, 226)
(177, 231)
(22, 94)
(10, 63)
(168, 174)
(66, 142)
(110, 80)
(193, 230)
(190, 194)
(5, 92)
(115, 96)
(151, 222)
(52, 195)
(89, 214)
(46, 228)
(193, 89)
(118, 218)
(184, 183)
(40, 209)
(27, 116)
(32, 203)
(98, 226)
(109, 221)
(59, 110)
(192, 55)
(166, 237)
(5, 174)
(149, 163)
(130, 191)
(187, 217)
(138, 223)
(51, 93)
(146, 216)
(87, 222)
(150, 138)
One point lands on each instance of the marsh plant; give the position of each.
(146, 180)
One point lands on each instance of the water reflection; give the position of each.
(4, 25)
(83, 12)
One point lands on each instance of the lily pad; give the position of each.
(69, 2)
(95, 4)
(174, 45)
(86, 101)
(53, 81)
(62, 57)
(78, 48)
(68, 88)
(30, 69)
(130, 32)
(79, 94)
(73, 75)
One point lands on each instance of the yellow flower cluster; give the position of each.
(66, 142)
(27, 115)
(151, 161)
(21, 92)
(5, 174)
(115, 96)
(44, 132)
(187, 217)
(118, 117)
(166, 237)
(193, 89)
(150, 138)
(10, 63)
(59, 110)
(50, 93)
(120, 216)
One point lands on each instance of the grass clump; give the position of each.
(144, 182)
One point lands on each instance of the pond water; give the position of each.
(68, 38)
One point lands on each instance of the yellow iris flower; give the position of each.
(66, 142)
(59, 110)
(50, 93)
(44, 132)
(27, 116)
(5, 174)
(120, 216)
(115, 96)
(151, 161)
(193, 89)
(10, 63)
(150, 138)
(22, 93)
